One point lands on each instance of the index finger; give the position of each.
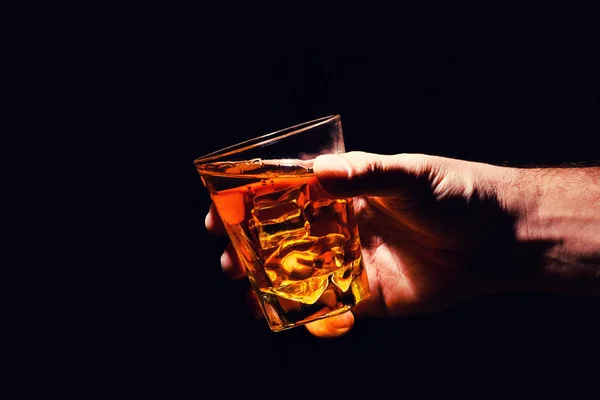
(213, 222)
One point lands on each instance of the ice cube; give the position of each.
(328, 216)
(305, 258)
(277, 216)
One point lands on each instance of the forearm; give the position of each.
(557, 216)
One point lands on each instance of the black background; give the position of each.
(105, 106)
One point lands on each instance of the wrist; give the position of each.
(556, 225)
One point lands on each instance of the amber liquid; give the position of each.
(299, 246)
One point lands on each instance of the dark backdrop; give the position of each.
(104, 108)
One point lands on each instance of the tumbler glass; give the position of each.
(299, 245)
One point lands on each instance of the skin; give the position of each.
(437, 231)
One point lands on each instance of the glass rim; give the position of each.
(267, 138)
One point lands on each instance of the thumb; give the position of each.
(359, 173)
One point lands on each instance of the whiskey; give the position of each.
(299, 246)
